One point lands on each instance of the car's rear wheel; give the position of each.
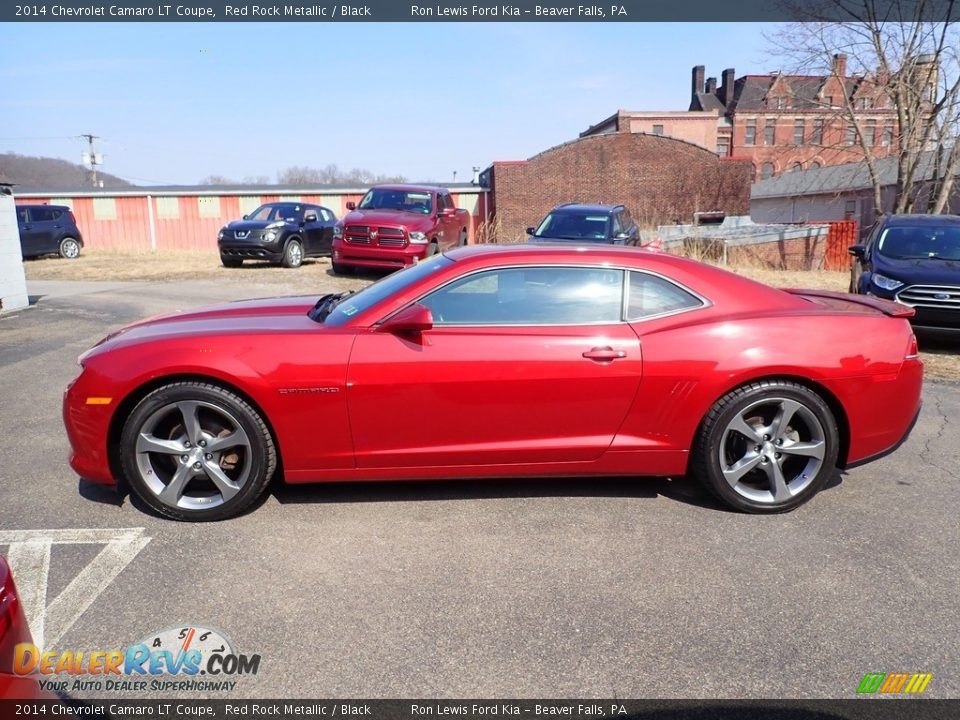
(432, 249)
(767, 447)
(231, 262)
(69, 248)
(196, 451)
(293, 254)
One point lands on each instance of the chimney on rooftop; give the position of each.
(711, 86)
(696, 83)
(840, 65)
(726, 90)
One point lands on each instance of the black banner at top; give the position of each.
(470, 11)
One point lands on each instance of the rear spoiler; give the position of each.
(887, 307)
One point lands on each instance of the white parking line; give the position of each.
(29, 558)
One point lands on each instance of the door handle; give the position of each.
(604, 354)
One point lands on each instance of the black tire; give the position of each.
(69, 248)
(463, 237)
(248, 464)
(433, 248)
(340, 269)
(231, 262)
(721, 447)
(292, 254)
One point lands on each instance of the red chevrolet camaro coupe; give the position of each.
(501, 361)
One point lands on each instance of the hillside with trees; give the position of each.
(50, 173)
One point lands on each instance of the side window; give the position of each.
(618, 226)
(626, 220)
(41, 214)
(56, 214)
(651, 295)
(22, 215)
(326, 215)
(530, 296)
(445, 201)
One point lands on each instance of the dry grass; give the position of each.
(315, 276)
(941, 355)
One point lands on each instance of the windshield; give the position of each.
(574, 226)
(384, 288)
(415, 201)
(911, 243)
(291, 212)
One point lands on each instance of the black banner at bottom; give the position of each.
(853, 709)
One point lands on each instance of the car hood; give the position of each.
(267, 315)
(253, 224)
(920, 271)
(397, 218)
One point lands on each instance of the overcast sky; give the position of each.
(177, 102)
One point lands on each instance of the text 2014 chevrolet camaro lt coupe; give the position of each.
(501, 361)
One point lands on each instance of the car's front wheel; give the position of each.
(231, 262)
(293, 254)
(196, 451)
(767, 447)
(69, 248)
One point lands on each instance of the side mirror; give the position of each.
(858, 251)
(413, 319)
(447, 212)
(351, 205)
(310, 217)
(531, 230)
(621, 236)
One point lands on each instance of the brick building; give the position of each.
(660, 180)
(782, 123)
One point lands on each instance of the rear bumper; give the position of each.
(893, 448)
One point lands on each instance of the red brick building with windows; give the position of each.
(782, 123)
(660, 179)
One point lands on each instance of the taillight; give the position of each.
(8, 603)
(912, 350)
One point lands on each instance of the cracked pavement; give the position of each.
(549, 588)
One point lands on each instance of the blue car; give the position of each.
(915, 260)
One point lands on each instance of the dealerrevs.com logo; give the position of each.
(172, 659)
(894, 683)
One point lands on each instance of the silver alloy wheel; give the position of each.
(772, 450)
(70, 248)
(193, 455)
(294, 254)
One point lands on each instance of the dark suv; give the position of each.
(574, 222)
(48, 230)
(281, 232)
(915, 260)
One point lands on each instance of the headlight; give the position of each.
(418, 238)
(882, 281)
(337, 231)
(221, 235)
(270, 236)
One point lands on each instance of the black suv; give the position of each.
(281, 232)
(48, 230)
(915, 260)
(610, 224)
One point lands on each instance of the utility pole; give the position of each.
(92, 158)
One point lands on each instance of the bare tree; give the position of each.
(331, 175)
(908, 52)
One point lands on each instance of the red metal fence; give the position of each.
(843, 234)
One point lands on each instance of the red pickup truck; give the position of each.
(397, 225)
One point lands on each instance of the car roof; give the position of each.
(42, 205)
(922, 220)
(401, 186)
(585, 207)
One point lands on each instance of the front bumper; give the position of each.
(88, 425)
(377, 257)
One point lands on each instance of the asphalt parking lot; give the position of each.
(564, 588)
